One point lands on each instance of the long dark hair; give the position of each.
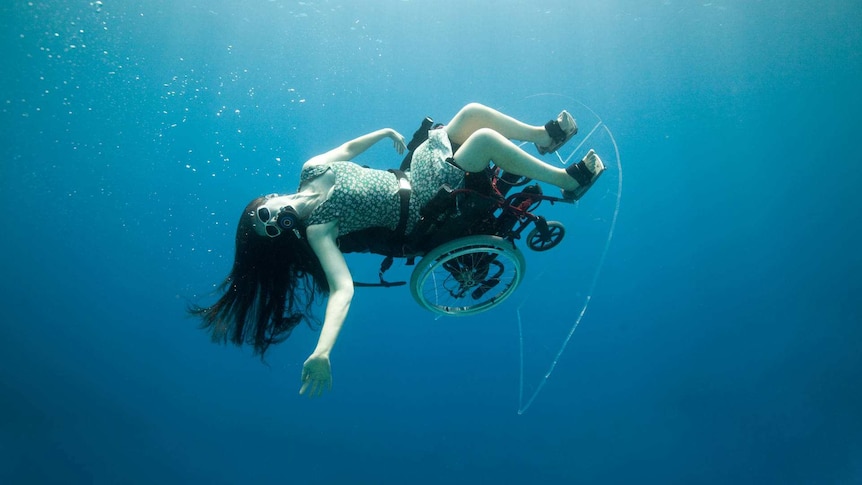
(269, 290)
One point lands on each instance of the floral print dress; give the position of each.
(363, 197)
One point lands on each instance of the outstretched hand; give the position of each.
(316, 376)
(400, 144)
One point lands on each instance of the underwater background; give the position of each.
(722, 339)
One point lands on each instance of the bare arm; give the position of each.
(316, 372)
(352, 149)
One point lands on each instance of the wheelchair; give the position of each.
(466, 239)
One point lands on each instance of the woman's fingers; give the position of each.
(315, 379)
(306, 380)
(399, 142)
(315, 387)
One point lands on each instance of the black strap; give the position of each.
(384, 267)
(419, 136)
(404, 190)
(555, 131)
(382, 284)
(580, 172)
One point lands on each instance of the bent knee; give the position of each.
(474, 108)
(486, 136)
(472, 118)
(478, 150)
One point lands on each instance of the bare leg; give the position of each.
(475, 116)
(485, 145)
(484, 135)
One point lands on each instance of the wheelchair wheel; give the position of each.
(467, 275)
(552, 236)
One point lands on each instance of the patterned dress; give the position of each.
(363, 197)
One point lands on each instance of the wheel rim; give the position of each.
(536, 242)
(467, 275)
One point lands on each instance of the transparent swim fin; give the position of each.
(559, 286)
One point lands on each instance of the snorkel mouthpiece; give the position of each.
(287, 219)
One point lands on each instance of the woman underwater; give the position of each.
(286, 245)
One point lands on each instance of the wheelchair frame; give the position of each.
(466, 238)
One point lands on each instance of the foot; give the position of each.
(585, 173)
(560, 130)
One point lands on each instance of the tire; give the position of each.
(468, 275)
(554, 236)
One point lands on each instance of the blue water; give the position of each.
(722, 341)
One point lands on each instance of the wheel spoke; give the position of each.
(468, 275)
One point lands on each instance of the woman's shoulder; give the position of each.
(314, 162)
(312, 169)
(321, 164)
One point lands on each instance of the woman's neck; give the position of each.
(306, 201)
(313, 193)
